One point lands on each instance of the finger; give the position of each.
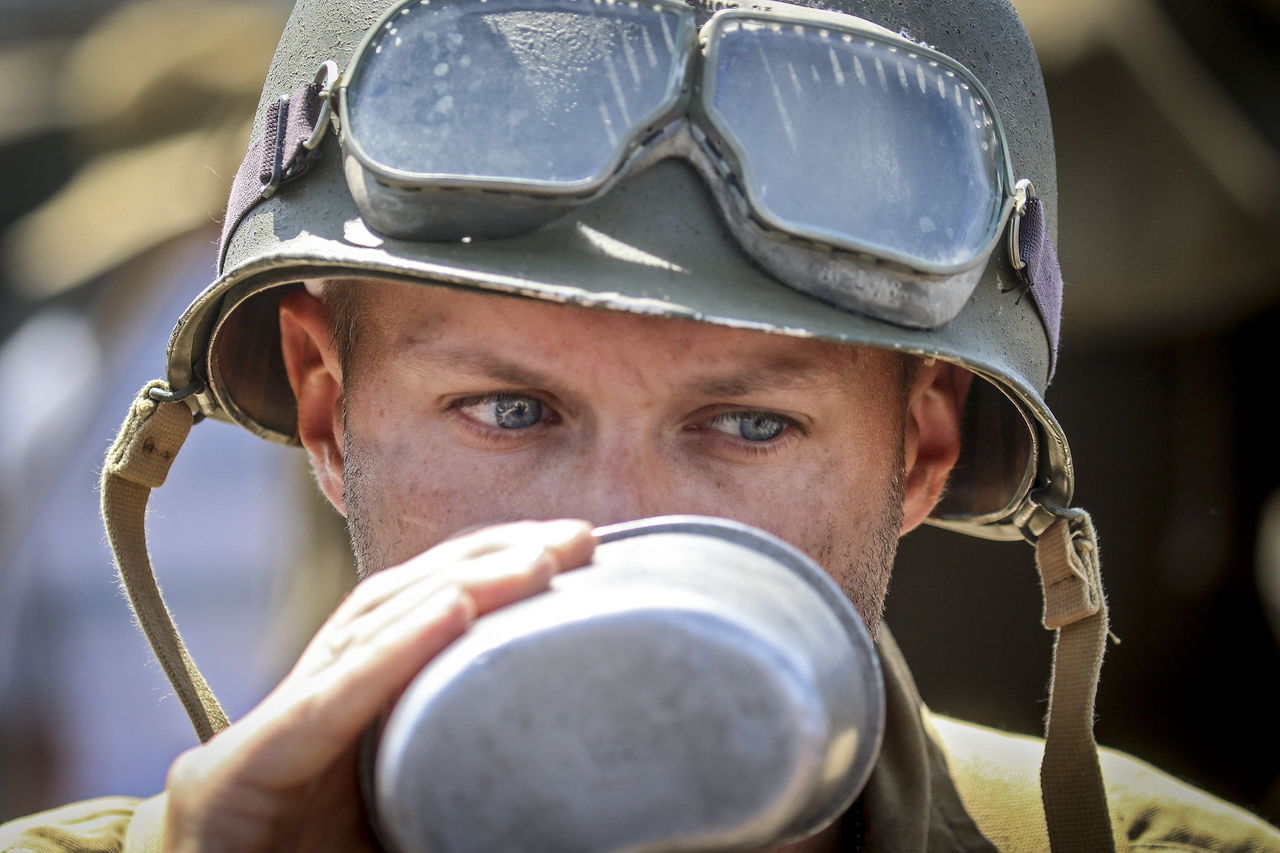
(316, 714)
(569, 541)
(355, 665)
(486, 540)
(356, 668)
(365, 655)
(490, 581)
(391, 649)
(503, 577)
(575, 548)
(500, 577)
(493, 580)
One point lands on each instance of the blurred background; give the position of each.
(121, 125)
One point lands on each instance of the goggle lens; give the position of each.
(904, 158)
(529, 91)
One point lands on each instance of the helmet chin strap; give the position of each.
(1075, 802)
(138, 462)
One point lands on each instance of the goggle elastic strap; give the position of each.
(1075, 800)
(1040, 271)
(279, 155)
(138, 461)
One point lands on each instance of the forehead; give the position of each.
(462, 329)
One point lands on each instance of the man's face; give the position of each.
(461, 409)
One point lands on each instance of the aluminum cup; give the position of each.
(701, 686)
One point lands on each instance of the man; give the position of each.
(567, 268)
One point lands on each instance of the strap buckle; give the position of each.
(1067, 555)
(1023, 192)
(327, 79)
(164, 395)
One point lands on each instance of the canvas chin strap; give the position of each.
(1075, 801)
(138, 462)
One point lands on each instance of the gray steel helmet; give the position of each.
(653, 244)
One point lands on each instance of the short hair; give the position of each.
(342, 300)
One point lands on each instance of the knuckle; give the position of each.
(188, 771)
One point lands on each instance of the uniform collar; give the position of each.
(911, 804)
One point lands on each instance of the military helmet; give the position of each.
(653, 242)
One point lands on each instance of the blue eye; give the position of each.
(750, 426)
(514, 412)
(505, 411)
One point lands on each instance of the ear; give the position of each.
(315, 374)
(932, 436)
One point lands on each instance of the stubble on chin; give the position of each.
(357, 496)
(864, 575)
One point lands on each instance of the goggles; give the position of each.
(851, 163)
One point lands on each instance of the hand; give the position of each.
(283, 777)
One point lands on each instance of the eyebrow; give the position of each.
(768, 374)
(490, 366)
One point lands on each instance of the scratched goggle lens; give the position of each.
(532, 92)
(902, 153)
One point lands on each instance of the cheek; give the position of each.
(831, 504)
(409, 489)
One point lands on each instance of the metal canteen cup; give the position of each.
(701, 686)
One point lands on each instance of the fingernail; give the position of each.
(563, 530)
